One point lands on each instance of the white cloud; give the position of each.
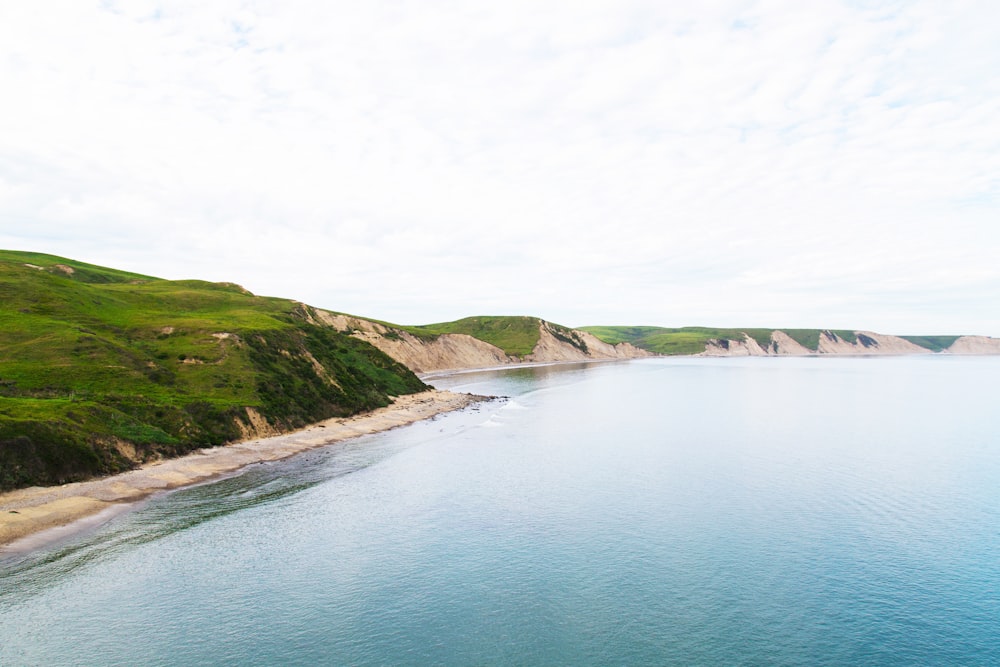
(734, 162)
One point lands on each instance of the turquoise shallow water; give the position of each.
(680, 511)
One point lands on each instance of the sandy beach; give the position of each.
(28, 512)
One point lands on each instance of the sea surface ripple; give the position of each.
(666, 511)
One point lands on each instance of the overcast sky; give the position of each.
(736, 162)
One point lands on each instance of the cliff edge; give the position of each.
(433, 348)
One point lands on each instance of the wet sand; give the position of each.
(28, 512)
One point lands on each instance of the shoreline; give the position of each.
(28, 515)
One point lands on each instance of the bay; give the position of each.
(665, 511)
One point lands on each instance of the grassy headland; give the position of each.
(101, 369)
(692, 340)
(515, 335)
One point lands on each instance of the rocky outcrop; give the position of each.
(974, 345)
(425, 354)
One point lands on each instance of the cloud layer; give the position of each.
(736, 162)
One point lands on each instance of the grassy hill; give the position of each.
(101, 369)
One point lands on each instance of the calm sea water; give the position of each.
(682, 511)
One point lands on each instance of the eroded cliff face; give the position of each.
(974, 345)
(255, 426)
(867, 343)
(446, 352)
(722, 347)
(782, 343)
(556, 345)
(459, 351)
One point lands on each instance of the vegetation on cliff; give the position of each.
(932, 343)
(102, 369)
(692, 340)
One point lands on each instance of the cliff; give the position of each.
(433, 348)
(712, 342)
(829, 343)
(974, 345)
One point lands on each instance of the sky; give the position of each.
(757, 163)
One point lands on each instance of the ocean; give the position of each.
(688, 511)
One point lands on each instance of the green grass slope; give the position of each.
(932, 343)
(101, 369)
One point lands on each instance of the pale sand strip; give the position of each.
(28, 511)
